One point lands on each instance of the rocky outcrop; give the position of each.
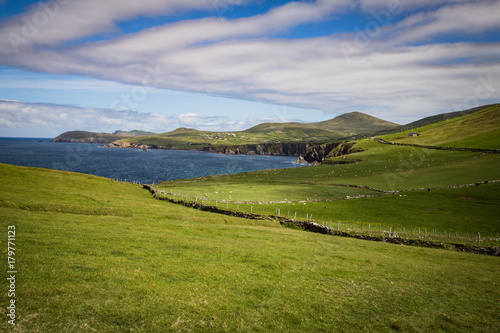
(300, 160)
(126, 144)
(328, 150)
(319, 153)
(119, 144)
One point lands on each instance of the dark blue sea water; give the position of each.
(145, 167)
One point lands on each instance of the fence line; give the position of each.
(429, 234)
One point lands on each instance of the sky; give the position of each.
(227, 65)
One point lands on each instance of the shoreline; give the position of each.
(300, 159)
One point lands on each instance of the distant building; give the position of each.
(413, 134)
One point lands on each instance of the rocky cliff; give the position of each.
(328, 150)
(281, 149)
(312, 153)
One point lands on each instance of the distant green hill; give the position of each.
(87, 137)
(355, 123)
(94, 137)
(344, 125)
(133, 133)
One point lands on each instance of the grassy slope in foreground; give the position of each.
(168, 268)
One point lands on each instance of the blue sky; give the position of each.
(231, 64)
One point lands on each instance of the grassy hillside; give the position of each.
(93, 254)
(133, 133)
(477, 130)
(436, 119)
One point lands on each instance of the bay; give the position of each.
(145, 167)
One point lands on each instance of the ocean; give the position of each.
(145, 167)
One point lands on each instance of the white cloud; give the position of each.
(188, 119)
(381, 72)
(38, 119)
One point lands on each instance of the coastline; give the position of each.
(269, 149)
(306, 152)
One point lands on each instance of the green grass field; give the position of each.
(106, 257)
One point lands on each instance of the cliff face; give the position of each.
(319, 153)
(329, 150)
(281, 149)
(276, 149)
